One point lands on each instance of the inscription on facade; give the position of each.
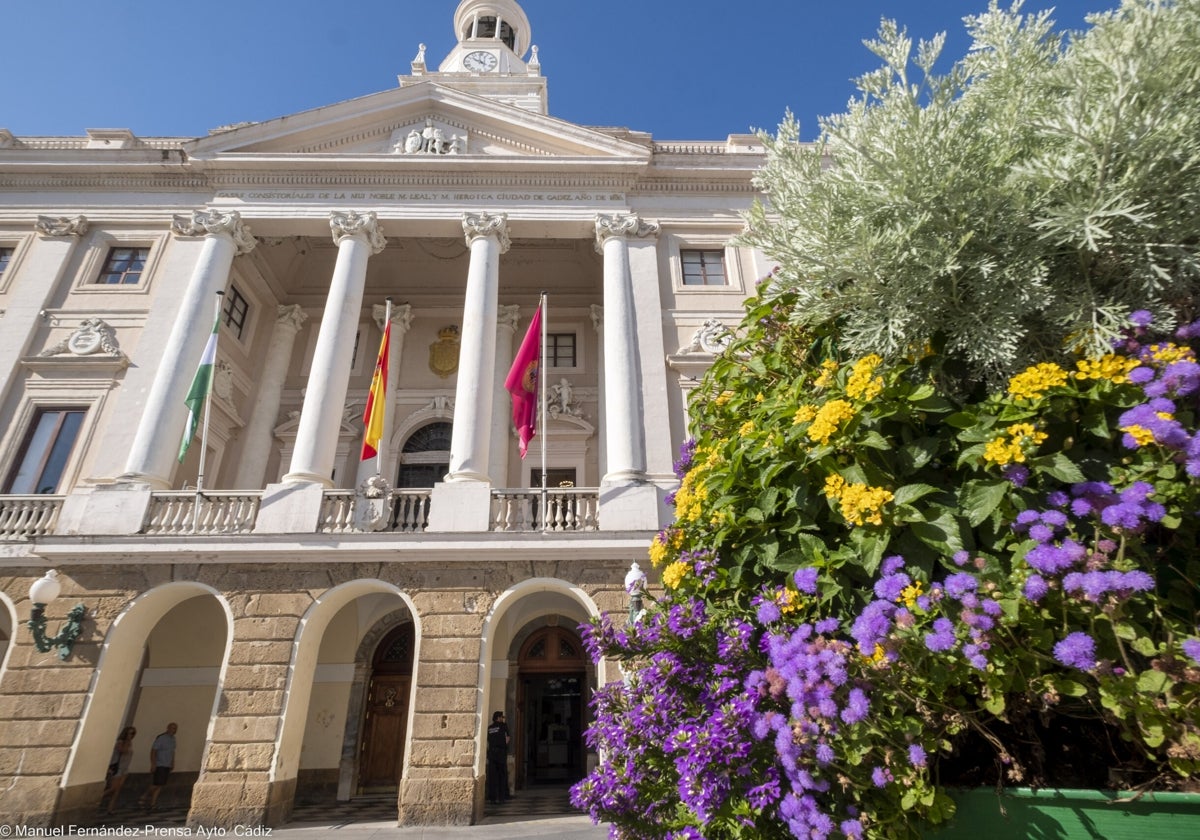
(267, 195)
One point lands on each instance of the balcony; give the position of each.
(233, 512)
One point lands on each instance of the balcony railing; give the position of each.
(567, 509)
(408, 514)
(210, 512)
(23, 517)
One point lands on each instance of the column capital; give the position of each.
(507, 316)
(291, 317)
(61, 225)
(597, 312)
(402, 317)
(623, 225)
(483, 225)
(352, 224)
(215, 222)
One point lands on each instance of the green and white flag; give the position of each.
(201, 385)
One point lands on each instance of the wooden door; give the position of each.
(383, 731)
(385, 720)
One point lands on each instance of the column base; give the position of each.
(107, 509)
(290, 509)
(306, 478)
(459, 506)
(631, 507)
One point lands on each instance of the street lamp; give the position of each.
(44, 590)
(635, 585)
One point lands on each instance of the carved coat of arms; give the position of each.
(443, 353)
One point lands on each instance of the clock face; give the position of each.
(479, 61)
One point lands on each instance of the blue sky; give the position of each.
(681, 70)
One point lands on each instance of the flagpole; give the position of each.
(387, 322)
(207, 416)
(542, 408)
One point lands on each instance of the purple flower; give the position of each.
(916, 755)
(1141, 318)
(881, 776)
(806, 580)
(827, 625)
(1192, 648)
(890, 587)
(1017, 474)
(1035, 588)
(768, 612)
(959, 585)
(857, 706)
(852, 829)
(942, 638)
(1077, 650)
(960, 558)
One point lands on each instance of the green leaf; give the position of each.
(942, 533)
(909, 493)
(1070, 688)
(1154, 682)
(994, 703)
(1059, 466)
(979, 498)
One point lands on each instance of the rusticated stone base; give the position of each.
(437, 801)
(243, 802)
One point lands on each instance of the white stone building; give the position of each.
(314, 634)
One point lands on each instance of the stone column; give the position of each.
(358, 237)
(156, 442)
(624, 436)
(487, 237)
(502, 416)
(401, 322)
(601, 445)
(32, 285)
(439, 785)
(259, 435)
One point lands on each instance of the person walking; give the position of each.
(162, 762)
(118, 767)
(497, 760)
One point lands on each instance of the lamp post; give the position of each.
(635, 585)
(44, 590)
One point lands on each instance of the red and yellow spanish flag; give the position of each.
(377, 399)
(522, 382)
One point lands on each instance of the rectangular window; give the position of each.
(234, 311)
(703, 268)
(123, 266)
(560, 350)
(45, 452)
(6, 255)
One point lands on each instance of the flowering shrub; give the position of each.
(876, 587)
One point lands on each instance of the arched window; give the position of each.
(425, 458)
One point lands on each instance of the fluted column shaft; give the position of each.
(501, 420)
(487, 237)
(156, 443)
(625, 441)
(260, 429)
(358, 237)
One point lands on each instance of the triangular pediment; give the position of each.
(417, 124)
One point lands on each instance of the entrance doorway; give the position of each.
(385, 723)
(551, 705)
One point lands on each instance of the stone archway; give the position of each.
(8, 624)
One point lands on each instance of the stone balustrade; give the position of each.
(567, 509)
(23, 517)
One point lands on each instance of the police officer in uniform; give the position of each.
(497, 760)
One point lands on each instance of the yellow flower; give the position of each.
(910, 594)
(723, 397)
(759, 397)
(862, 504)
(1168, 353)
(863, 384)
(1012, 445)
(1035, 381)
(673, 575)
(834, 484)
(804, 414)
(1112, 367)
(828, 369)
(746, 428)
(828, 418)
(658, 551)
(1141, 435)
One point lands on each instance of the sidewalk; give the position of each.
(566, 828)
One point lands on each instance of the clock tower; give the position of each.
(490, 57)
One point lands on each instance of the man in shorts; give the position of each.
(162, 762)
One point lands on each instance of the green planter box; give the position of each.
(1024, 814)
